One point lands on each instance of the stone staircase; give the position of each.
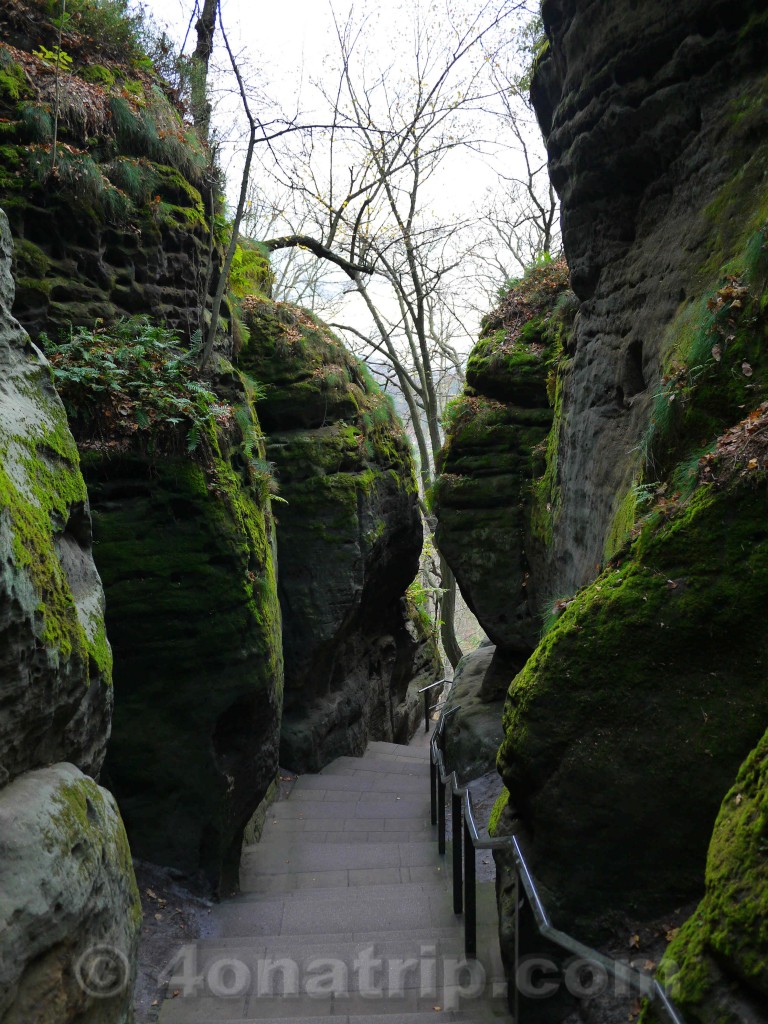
(345, 912)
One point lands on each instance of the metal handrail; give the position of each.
(425, 690)
(529, 898)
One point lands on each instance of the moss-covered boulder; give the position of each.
(716, 969)
(349, 538)
(637, 707)
(55, 685)
(114, 218)
(70, 914)
(495, 451)
(184, 546)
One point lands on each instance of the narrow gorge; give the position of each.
(217, 579)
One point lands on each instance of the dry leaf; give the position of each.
(746, 369)
(634, 941)
(717, 353)
(739, 798)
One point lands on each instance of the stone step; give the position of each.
(285, 856)
(397, 752)
(384, 766)
(353, 805)
(435, 884)
(361, 836)
(354, 909)
(392, 965)
(406, 937)
(369, 782)
(353, 1010)
(357, 826)
(315, 884)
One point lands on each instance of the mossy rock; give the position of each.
(185, 554)
(56, 687)
(349, 537)
(716, 969)
(671, 642)
(488, 493)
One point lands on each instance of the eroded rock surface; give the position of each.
(55, 687)
(66, 880)
(66, 888)
(349, 540)
(185, 551)
(717, 966)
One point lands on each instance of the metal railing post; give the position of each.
(426, 711)
(432, 790)
(534, 933)
(457, 840)
(470, 897)
(440, 816)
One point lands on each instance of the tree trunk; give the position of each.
(448, 614)
(201, 107)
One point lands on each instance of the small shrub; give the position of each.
(36, 121)
(130, 384)
(56, 57)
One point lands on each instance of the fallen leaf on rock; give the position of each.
(717, 353)
(152, 895)
(739, 798)
(634, 941)
(746, 369)
(671, 933)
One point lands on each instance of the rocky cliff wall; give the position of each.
(66, 880)
(655, 130)
(114, 219)
(349, 539)
(647, 690)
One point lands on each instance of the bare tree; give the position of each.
(371, 183)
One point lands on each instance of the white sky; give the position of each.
(283, 44)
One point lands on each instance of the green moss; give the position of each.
(13, 82)
(81, 817)
(724, 945)
(29, 260)
(621, 525)
(99, 74)
(202, 608)
(636, 653)
(37, 511)
(498, 809)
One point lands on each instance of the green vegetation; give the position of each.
(726, 939)
(131, 384)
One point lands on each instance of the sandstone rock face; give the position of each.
(496, 435)
(119, 226)
(349, 539)
(717, 967)
(185, 552)
(630, 720)
(66, 890)
(66, 879)
(655, 129)
(55, 690)
(474, 732)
